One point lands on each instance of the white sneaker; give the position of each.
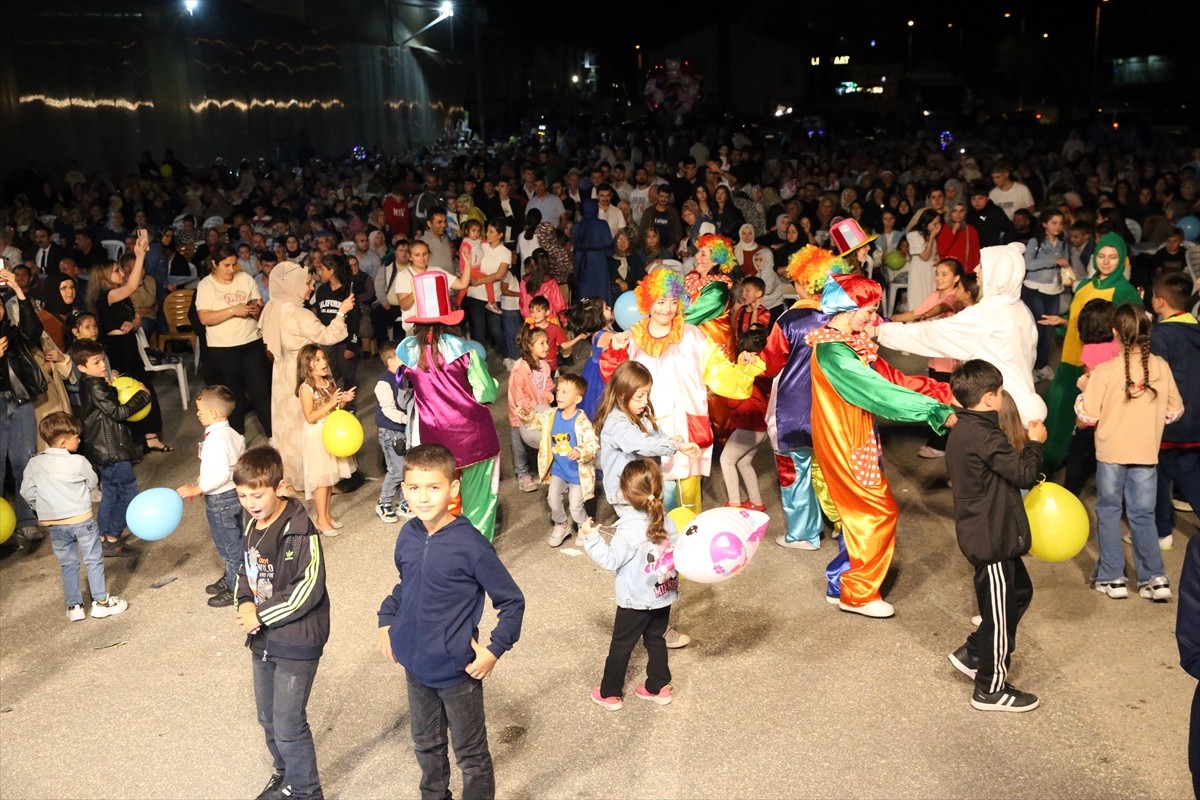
(110, 608)
(1158, 590)
(799, 544)
(559, 534)
(876, 609)
(675, 639)
(1165, 543)
(1117, 590)
(75, 613)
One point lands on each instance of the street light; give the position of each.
(911, 24)
(1096, 51)
(445, 11)
(190, 6)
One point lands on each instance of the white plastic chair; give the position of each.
(1134, 228)
(180, 372)
(114, 247)
(897, 282)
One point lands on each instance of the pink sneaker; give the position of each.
(607, 703)
(662, 698)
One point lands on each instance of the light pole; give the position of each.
(1096, 54)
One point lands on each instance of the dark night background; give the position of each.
(103, 79)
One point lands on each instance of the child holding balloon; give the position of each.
(108, 441)
(319, 396)
(646, 585)
(987, 473)
(1130, 399)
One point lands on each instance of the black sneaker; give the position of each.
(1007, 699)
(962, 661)
(273, 790)
(119, 550)
(221, 598)
(351, 484)
(217, 586)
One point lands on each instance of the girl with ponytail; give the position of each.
(1129, 399)
(646, 585)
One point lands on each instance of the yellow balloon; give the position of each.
(682, 517)
(342, 433)
(8, 520)
(1058, 523)
(126, 388)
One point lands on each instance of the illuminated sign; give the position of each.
(841, 61)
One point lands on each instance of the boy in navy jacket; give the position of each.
(430, 625)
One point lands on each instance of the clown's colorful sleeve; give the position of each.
(861, 386)
(723, 377)
(938, 390)
(712, 302)
(483, 385)
(775, 354)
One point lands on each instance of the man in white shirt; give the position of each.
(368, 259)
(642, 196)
(1008, 194)
(607, 211)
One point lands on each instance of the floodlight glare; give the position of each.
(190, 5)
(446, 9)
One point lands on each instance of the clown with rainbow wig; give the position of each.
(685, 365)
(789, 426)
(709, 288)
(851, 384)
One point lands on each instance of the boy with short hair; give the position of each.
(108, 441)
(391, 422)
(566, 455)
(219, 454)
(987, 473)
(430, 625)
(1176, 339)
(750, 311)
(58, 485)
(283, 609)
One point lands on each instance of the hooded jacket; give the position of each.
(988, 474)
(283, 574)
(998, 329)
(993, 225)
(1177, 340)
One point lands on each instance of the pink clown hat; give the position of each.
(431, 293)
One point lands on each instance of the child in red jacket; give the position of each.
(747, 419)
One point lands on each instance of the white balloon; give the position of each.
(718, 543)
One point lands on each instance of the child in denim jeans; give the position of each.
(219, 454)
(391, 420)
(108, 441)
(58, 485)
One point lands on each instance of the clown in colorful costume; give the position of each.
(684, 364)
(787, 356)
(449, 383)
(1107, 283)
(851, 385)
(710, 308)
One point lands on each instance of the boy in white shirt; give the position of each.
(219, 453)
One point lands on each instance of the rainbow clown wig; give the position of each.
(812, 266)
(661, 282)
(721, 250)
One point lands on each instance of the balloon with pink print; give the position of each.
(719, 543)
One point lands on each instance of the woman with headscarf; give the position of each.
(59, 293)
(793, 240)
(287, 325)
(745, 248)
(593, 247)
(1107, 282)
(561, 266)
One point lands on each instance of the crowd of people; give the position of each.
(653, 303)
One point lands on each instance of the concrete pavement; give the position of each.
(779, 695)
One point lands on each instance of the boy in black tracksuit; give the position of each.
(987, 474)
(284, 610)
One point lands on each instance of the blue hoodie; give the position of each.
(1177, 340)
(434, 611)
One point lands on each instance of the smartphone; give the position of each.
(143, 235)
(2, 283)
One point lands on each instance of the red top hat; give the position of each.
(848, 235)
(431, 293)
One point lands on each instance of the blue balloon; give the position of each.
(154, 514)
(477, 348)
(1190, 226)
(626, 311)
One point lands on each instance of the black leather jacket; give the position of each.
(22, 375)
(106, 438)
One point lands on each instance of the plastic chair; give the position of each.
(114, 247)
(1134, 228)
(897, 282)
(177, 367)
(179, 325)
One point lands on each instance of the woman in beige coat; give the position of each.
(286, 327)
